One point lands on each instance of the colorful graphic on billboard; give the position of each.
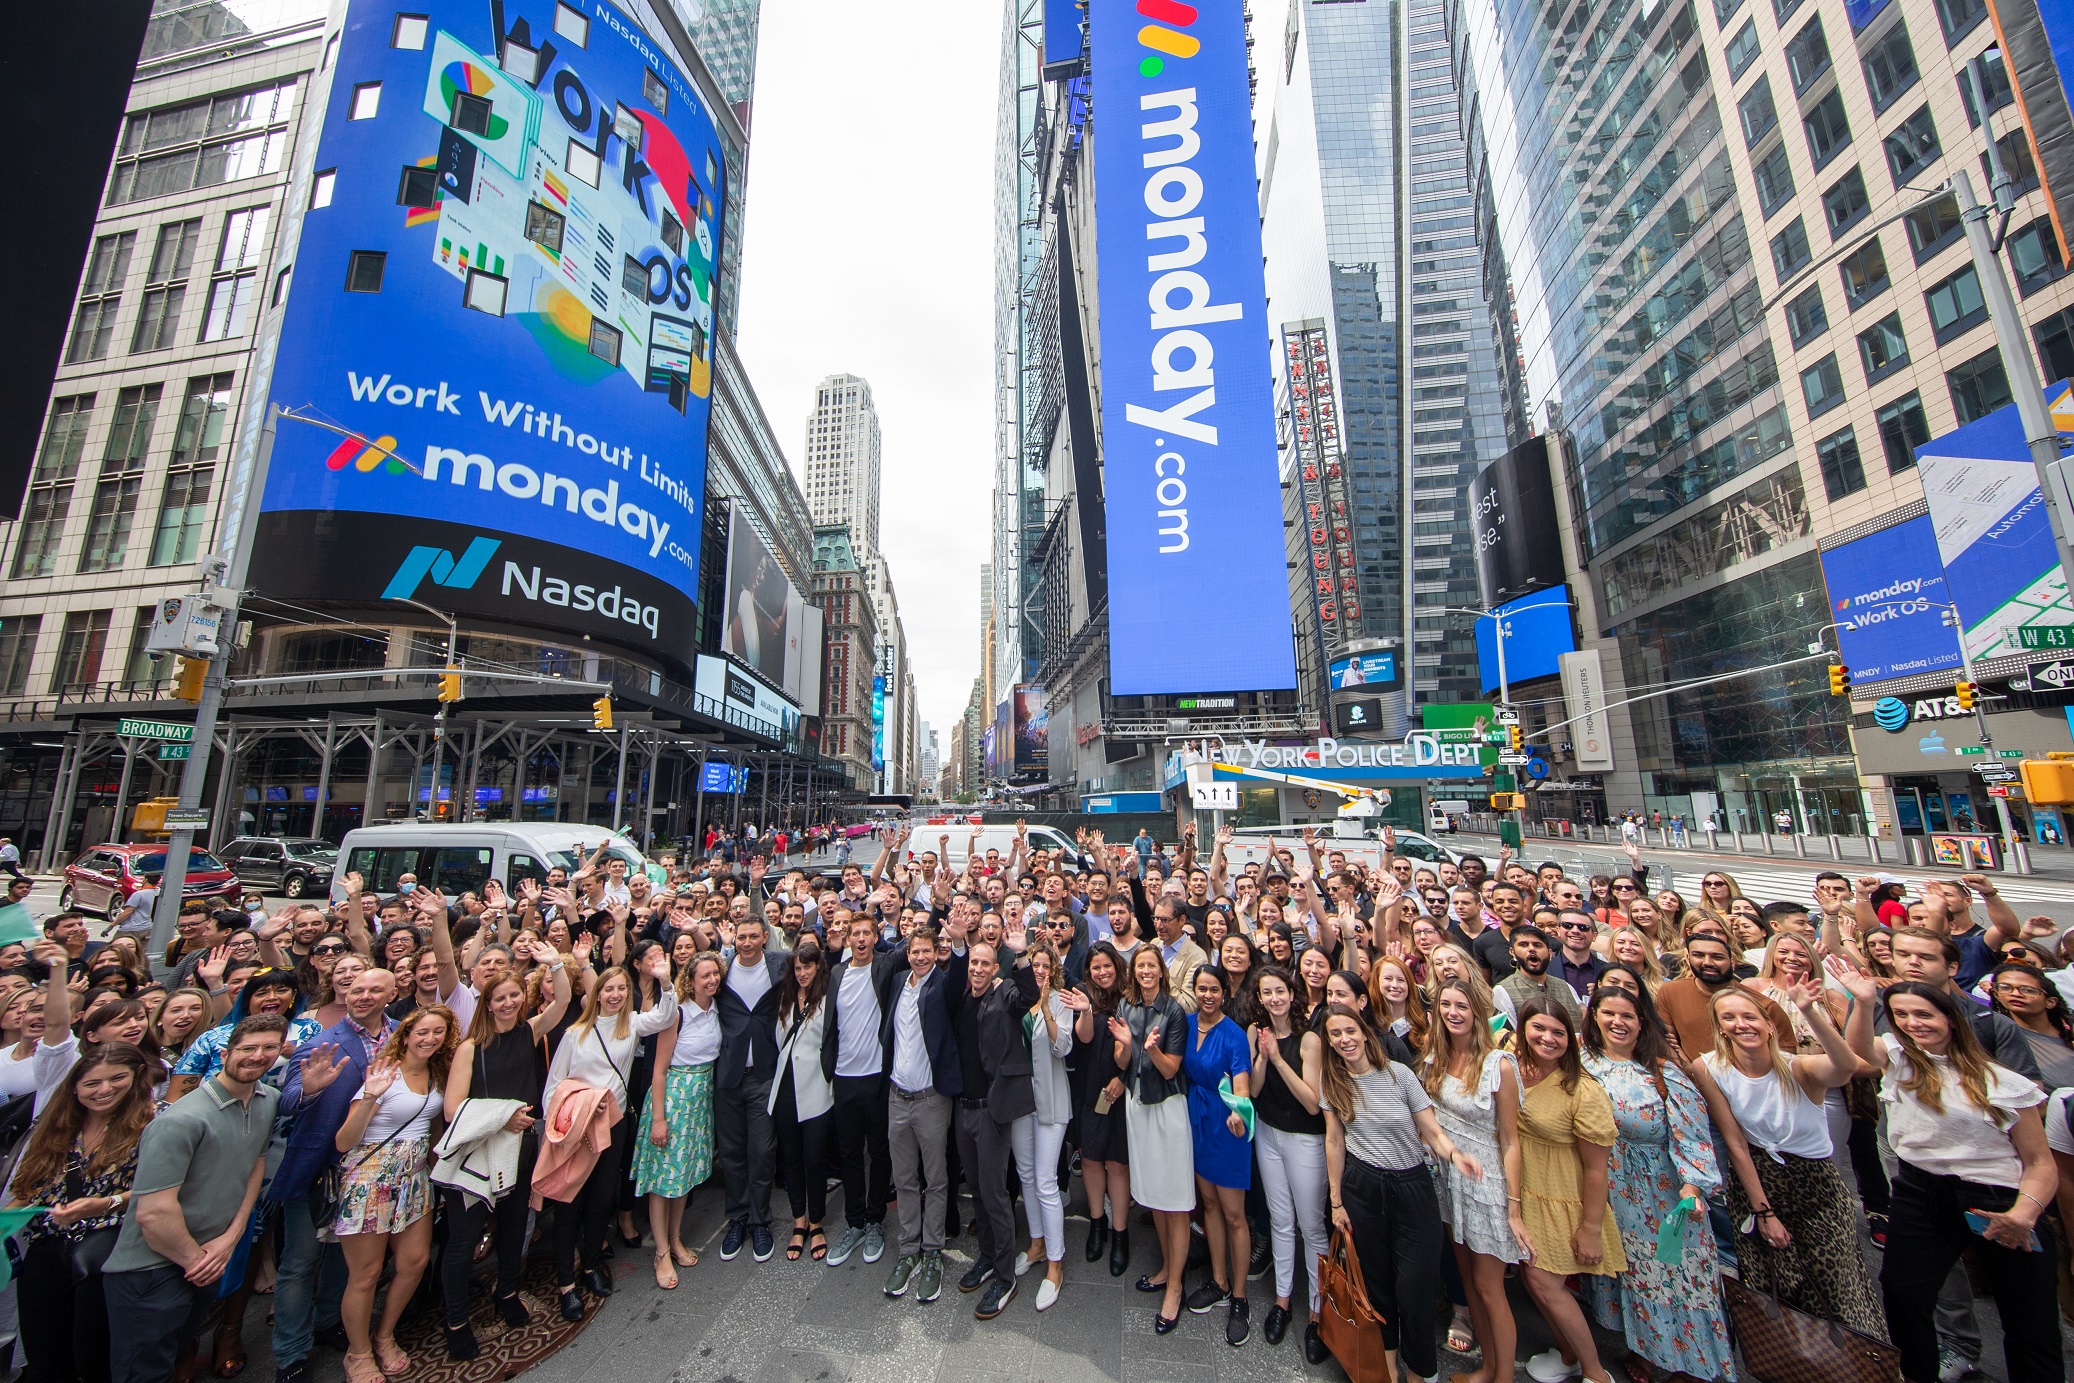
(504, 286)
(1032, 731)
(715, 776)
(766, 615)
(1188, 421)
(1887, 595)
(2000, 562)
(878, 724)
(1377, 671)
(1537, 635)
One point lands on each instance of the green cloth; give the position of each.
(1670, 1235)
(17, 926)
(10, 1222)
(1237, 1104)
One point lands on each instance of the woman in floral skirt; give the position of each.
(673, 1150)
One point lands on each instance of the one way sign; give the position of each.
(2056, 675)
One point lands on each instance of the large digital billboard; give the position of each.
(504, 289)
(1887, 595)
(766, 616)
(732, 696)
(1513, 514)
(1032, 731)
(1193, 494)
(2001, 564)
(1537, 635)
(1377, 671)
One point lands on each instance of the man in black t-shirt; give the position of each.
(1470, 930)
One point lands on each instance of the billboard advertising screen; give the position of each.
(1377, 669)
(1032, 731)
(766, 615)
(731, 696)
(1537, 635)
(878, 724)
(504, 289)
(715, 776)
(1887, 593)
(1512, 508)
(1192, 488)
(2001, 565)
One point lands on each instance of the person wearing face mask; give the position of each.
(504, 1057)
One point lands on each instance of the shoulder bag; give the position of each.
(1347, 1321)
(1782, 1344)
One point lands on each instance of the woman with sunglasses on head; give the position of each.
(1105, 1164)
(1669, 1311)
(673, 1142)
(1976, 1171)
(801, 1100)
(2030, 999)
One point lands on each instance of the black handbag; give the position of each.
(85, 1255)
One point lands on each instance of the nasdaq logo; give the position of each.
(1890, 714)
(442, 567)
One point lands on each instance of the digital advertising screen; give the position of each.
(1887, 596)
(1191, 472)
(1538, 633)
(1377, 670)
(766, 615)
(502, 293)
(1512, 511)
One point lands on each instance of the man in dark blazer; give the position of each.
(324, 1078)
(996, 1091)
(917, 1034)
(853, 1057)
(745, 1145)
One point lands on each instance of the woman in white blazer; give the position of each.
(801, 1097)
(1037, 1137)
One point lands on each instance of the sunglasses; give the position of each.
(327, 950)
(1623, 888)
(1577, 926)
(1715, 883)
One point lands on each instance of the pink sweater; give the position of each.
(578, 1128)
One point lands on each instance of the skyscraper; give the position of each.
(842, 454)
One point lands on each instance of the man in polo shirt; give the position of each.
(199, 1166)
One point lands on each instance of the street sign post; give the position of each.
(2045, 635)
(1995, 773)
(1975, 749)
(154, 730)
(169, 752)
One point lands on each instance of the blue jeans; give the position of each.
(309, 1284)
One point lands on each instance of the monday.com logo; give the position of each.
(443, 568)
(1166, 36)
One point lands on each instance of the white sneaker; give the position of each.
(1548, 1367)
(1022, 1263)
(1047, 1293)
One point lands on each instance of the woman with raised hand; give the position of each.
(1038, 1136)
(385, 1191)
(1567, 1133)
(673, 1142)
(801, 1100)
(504, 1057)
(1379, 1125)
(1669, 1311)
(1105, 1161)
(81, 1162)
(1475, 1089)
(1976, 1171)
(1288, 1066)
(1149, 1031)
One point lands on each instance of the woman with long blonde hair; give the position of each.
(1631, 946)
(1718, 894)
(673, 1147)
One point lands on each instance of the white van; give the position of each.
(460, 857)
(994, 835)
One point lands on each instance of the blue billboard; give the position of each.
(503, 294)
(1194, 503)
(716, 776)
(1886, 594)
(1378, 670)
(1537, 635)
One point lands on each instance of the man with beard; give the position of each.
(1687, 1003)
(1530, 953)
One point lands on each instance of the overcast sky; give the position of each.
(868, 250)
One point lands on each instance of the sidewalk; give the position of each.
(2047, 861)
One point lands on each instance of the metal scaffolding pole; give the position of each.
(122, 790)
(374, 774)
(619, 789)
(324, 774)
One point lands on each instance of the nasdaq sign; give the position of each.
(1188, 429)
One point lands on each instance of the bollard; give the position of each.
(1836, 849)
(1915, 851)
(1800, 844)
(1771, 844)
(2020, 856)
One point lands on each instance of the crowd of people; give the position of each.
(1471, 1072)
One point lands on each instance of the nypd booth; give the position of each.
(1272, 791)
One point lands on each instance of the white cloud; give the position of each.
(868, 250)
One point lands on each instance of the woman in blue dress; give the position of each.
(1219, 1136)
(1670, 1312)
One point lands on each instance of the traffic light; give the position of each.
(2050, 783)
(1508, 801)
(1839, 680)
(450, 684)
(188, 687)
(601, 713)
(1965, 692)
(1514, 740)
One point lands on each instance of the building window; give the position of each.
(321, 188)
(81, 645)
(1842, 472)
(121, 480)
(1782, 10)
(1958, 17)
(2034, 252)
(1774, 178)
(1759, 115)
(583, 164)
(1902, 429)
(1864, 273)
(418, 187)
(1979, 386)
(1890, 68)
(471, 114)
(366, 102)
(165, 285)
(633, 279)
(183, 511)
(1828, 131)
(1822, 384)
(409, 32)
(230, 307)
(364, 271)
(1807, 55)
(100, 294)
(1956, 305)
(1933, 227)
(655, 90)
(50, 487)
(1882, 348)
(2055, 338)
(573, 24)
(1790, 250)
(202, 143)
(605, 341)
(1912, 145)
(17, 652)
(1844, 205)
(1805, 316)
(1742, 50)
(544, 225)
(485, 292)
(1999, 94)
(2015, 149)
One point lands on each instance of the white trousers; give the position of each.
(1037, 1159)
(1292, 1176)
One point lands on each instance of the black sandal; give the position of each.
(817, 1245)
(797, 1243)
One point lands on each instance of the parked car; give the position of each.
(103, 878)
(293, 866)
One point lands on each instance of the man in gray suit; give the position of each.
(997, 1092)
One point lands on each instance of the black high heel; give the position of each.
(1119, 1252)
(1097, 1240)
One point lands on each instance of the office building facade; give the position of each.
(842, 460)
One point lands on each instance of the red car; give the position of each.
(102, 879)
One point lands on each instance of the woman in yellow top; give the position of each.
(1566, 1134)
